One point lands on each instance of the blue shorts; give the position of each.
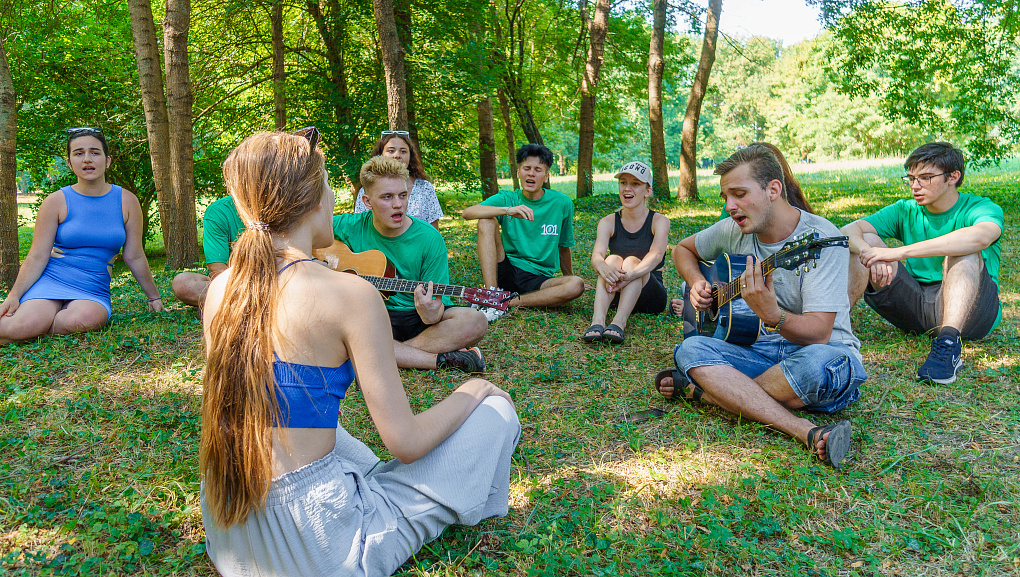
(824, 377)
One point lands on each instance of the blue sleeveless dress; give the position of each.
(83, 250)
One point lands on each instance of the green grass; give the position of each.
(99, 436)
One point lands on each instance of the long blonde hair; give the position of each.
(276, 179)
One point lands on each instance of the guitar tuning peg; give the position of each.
(805, 269)
(798, 271)
(814, 264)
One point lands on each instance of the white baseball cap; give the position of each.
(638, 170)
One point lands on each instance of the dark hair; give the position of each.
(765, 166)
(794, 195)
(87, 132)
(943, 155)
(528, 150)
(414, 165)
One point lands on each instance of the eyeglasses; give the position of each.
(396, 132)
(311, 133)
(922, 180)
(80, 130)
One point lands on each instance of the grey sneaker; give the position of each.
(943, 361)
(467, 360)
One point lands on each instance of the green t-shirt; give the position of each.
(220, 229)
(909, 222)
(534, 245)
(419, 253)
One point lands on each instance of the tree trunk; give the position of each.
(487, 149)
(393, 64)
(182, 250)
(279, 73)
(511, 148)
(402, 16)
(9, 259)
(688, 187)
(660, 170)
(589, 87)
(157, 124)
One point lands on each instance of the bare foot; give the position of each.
(678, 306)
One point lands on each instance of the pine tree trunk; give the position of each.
(487, 149)
(157, 124)
(182, 251)
(9, 259)
(511, 148)
(279, 73)
(688, 186)
(393, 64)
(660, 170)
(589, 88)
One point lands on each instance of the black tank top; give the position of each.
(636, 244)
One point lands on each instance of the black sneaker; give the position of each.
(943, 361)
(467, 360)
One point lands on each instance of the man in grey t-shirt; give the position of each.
(807, 356)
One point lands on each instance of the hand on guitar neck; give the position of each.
(372, 266)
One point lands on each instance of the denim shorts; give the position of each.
(824, 377)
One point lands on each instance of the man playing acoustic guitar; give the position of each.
(428, 333)
(806, 356)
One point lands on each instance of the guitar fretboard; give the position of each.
(731, 290)
(398, 285)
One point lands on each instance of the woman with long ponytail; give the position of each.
(285, 490)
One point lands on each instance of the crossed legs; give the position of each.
(460, 328)
(553, 292)
(37, 317)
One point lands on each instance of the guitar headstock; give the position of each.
(804, 249)
(496, 299)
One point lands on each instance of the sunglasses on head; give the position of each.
(396, 132)
(311, 133)
(80, 130)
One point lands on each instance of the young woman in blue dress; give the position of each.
(285, 489)
(64, 283)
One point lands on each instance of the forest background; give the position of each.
(579, 77)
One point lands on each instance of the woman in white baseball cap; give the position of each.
(628, 255)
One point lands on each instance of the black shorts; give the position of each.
(652, 300)
(406, 324)
(513, 279)
(916, 307)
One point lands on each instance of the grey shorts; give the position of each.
(916, 307)
(350, 514)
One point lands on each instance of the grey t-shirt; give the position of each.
(822, 289)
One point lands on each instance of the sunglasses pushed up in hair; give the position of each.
(311, 133)
(396, 132)
(84, 131)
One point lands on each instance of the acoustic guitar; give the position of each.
(372, 266)
(729, 318)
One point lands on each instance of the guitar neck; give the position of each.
(731, 290)
(399, 285)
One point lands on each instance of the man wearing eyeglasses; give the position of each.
(949, 278)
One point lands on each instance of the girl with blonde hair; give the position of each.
(285, 490)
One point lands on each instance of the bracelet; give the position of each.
(156, 299)
(779, 325)
(508, 211)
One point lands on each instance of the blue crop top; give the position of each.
(309, 396)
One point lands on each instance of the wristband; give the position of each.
(508, 211)
(153, 299)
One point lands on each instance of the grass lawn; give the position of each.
(99, 437)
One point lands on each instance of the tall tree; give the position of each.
(393, 64)
(279, 72)
(511, 149)
(660, 171)
(487, 149)
(9, 260)
(157, 123)
(402, 16)
(687, 189)
(513, 42)
(589, 88)
(181, 249)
